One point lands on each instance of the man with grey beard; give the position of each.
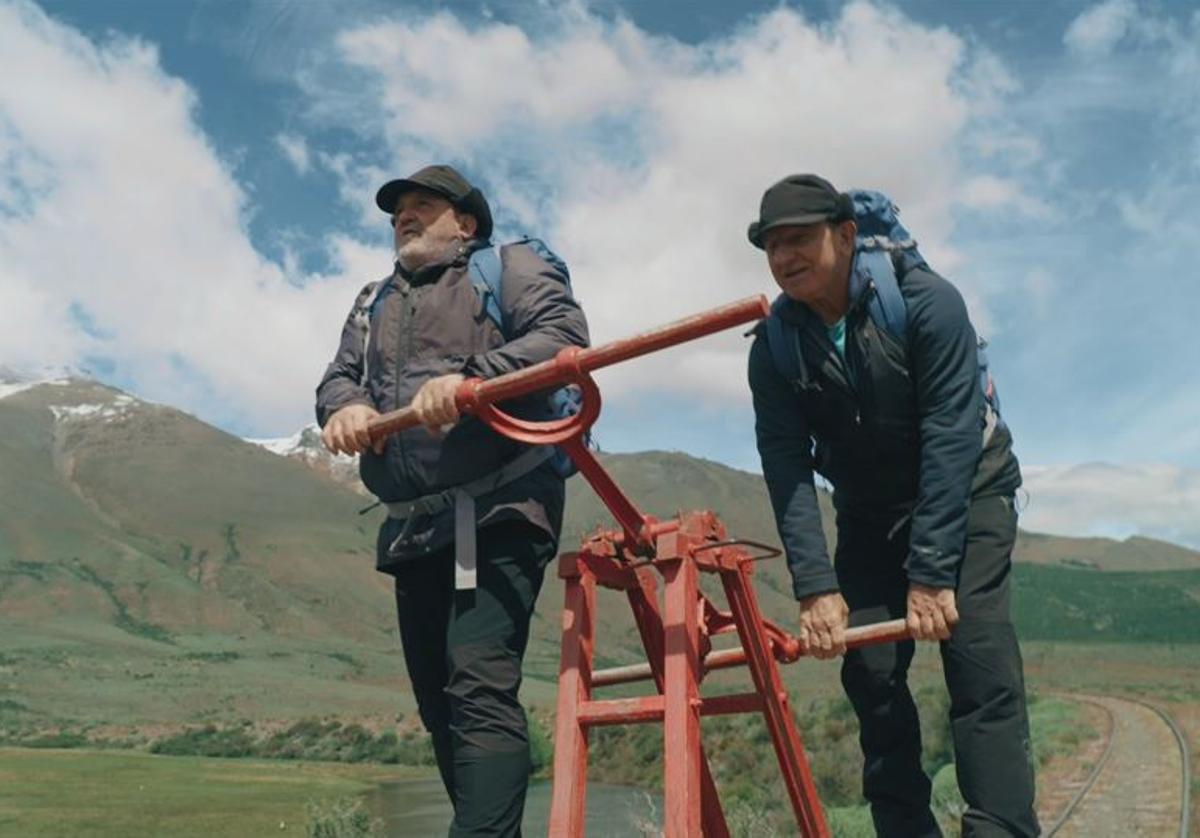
(473, 517)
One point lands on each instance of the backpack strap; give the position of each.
(364, 313)
(888, 309)
(462, 500)
(886, 306)
(783, 339)
(486, 271)
(485, 268)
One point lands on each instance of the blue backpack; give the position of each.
(485, 270)
(883, 249)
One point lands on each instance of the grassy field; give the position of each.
(747, 774)
(99, 794)
(1163, 672)
(163, 584)
(105, 794)
(1069, 604)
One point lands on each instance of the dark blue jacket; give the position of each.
(897, 428)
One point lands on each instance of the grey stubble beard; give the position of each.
(423, 249)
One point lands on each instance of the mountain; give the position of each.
(154, 569)
(138, 542)
(305, 446)
(664, 482)
(1135, 553)
(212, 532)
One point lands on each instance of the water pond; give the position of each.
(412, 808)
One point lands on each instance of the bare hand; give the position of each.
(346, 430)
(435, 403)
(823, 620)
(932, 612)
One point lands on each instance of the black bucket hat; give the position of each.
(447, 182)
(796, 200)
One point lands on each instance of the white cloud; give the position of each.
(642, 159)
(1095, 32)
(122, 237)
(988, 192)
(1153, 500)
(508, 79)
(295, 149)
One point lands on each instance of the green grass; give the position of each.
(77, 673)
(1070, 604)
(308, 739)
(114, 795)
(747, 773)
(1162, 671)
(1057, 727)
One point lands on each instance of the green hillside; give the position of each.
(1068, 604)
(1134, 553)
(148, 513)
(154, 570)
(661, 483)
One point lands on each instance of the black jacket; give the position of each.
(897, 428)
(434, 323)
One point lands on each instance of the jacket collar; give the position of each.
(456, 257)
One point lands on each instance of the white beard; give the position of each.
(426, 248)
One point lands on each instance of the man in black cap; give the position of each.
(923, 484)
(473, 516)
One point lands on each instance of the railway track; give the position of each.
(1086, 785)
(1139, 786)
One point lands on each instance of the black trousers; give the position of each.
(982, 664)
(464, 650)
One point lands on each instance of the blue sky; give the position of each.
(186, 200)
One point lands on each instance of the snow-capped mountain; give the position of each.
(72, 397)
(12, 382)
(305, 445)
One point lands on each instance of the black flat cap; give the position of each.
(799, 199)
(447, 182)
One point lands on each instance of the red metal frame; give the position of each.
(677, 640)
(677, 649)
(677, 664)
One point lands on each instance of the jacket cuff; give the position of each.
(812, 584)
(943, 575)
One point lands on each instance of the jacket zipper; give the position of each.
(823, 342)
(405, 318)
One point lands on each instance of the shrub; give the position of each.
(541, 746)
(946, 801)
(207, 741)
(345, 817)
(61, 739)
(1056, 727)
(213, 657)
(850, 822)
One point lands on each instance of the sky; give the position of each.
(186, 197)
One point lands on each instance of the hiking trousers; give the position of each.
(464, 650)
(989, 721)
